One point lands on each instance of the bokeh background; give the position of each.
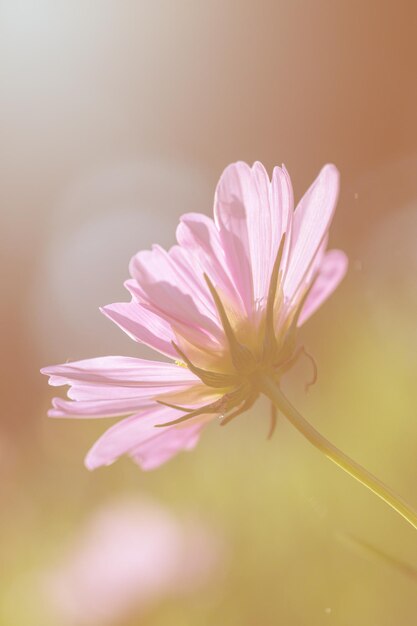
(117, 117)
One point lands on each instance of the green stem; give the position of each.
(270, 389)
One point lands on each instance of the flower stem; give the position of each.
(270, 389)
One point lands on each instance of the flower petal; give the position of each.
(134, 434)
(252, 214)
(232, 199)
(100, 408)
(198, 234)
(332, 270)
(111, 386)
(119, 370)
(263, 231)
(163, 285)
(159, 449)
(311, 223)
(142, 325)
(282, 208)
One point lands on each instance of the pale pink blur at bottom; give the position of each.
(130, 555)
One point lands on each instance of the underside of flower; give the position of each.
(274, 354)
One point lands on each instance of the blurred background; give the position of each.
(116, 118)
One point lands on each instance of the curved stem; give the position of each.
(270, 389)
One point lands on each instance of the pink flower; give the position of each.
(224, 305)
(129, 556)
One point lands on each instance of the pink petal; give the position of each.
(282, 207)
(91, 391)
(100, 408)
(332, 270)
(119, 370)
(198, 234)
(252, 214)
(233, 194)
(112, 401)
(163, 285)
(134, 434)
(159, 449)
(111, 386)
(186, 265)
(263, 231)
(315, 266)
(311, 223)
(142, 325)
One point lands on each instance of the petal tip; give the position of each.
(91, 463)
(330, 170)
